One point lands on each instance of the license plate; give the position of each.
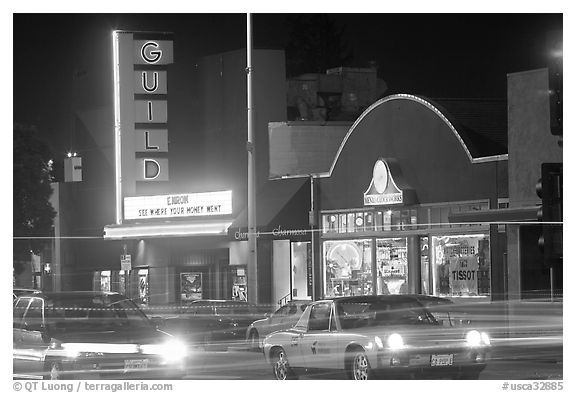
(135, 364)
(441, 360)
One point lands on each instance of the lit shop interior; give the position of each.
(405, 250)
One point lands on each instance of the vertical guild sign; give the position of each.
(140, 110)
(151, 108)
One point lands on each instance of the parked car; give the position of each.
(214, 324)
(368, 335)
(16, 292)
(283, 318)
(89, 335)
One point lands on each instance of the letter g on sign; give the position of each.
(150, 52)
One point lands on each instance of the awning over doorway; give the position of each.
(281, 204)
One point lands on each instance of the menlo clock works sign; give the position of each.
(384, 189)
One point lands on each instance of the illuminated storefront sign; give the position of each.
(276, 232)
(382, 189)
(140, 110)
(178, 205)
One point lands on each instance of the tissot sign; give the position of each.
(178, 205)
(383, 189)
(140, 109)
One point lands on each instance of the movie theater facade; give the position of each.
(387, 208)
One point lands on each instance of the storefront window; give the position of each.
(425, 265)
(190, 286)
(348, 268)
(301, 254)
(330, 223)
(239, 284)
(342, 223)
(392, 264)
(143, 286)
(361, 221)
(131, 283)
(105, 281)
(461, 265)
(122, 282)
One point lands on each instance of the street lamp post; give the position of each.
(252, 266)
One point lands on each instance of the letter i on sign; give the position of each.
(150, 118)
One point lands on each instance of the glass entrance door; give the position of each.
(392, 265)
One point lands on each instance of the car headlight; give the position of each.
(395, 341)
(379, 342)
(68, 350)
(473, 338)
(171, 351)
(485, 338)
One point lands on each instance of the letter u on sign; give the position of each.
(152, 169)
(150, 82)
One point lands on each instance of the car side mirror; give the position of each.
(44, 331)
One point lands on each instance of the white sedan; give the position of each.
(283, 318)
(368, 335)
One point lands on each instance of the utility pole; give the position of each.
(252, 267)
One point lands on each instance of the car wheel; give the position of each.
(358, 366)
(281, 367)
(53, 371)
(254, 340)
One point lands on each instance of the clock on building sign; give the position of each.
(380, 176)
(346, 255)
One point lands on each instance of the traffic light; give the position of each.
(555, 91)
(549, 189)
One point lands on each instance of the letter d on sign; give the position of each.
(152, 169)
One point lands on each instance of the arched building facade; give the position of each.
(386, 207)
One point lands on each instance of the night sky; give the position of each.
(436, 55)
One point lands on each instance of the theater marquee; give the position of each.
(178, 205)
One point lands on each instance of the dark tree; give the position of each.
(33, 214)
(314, 44)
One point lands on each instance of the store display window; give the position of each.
(190, 286)
(143, 286)
(425, 265)
(105, 281)
(398, 219)
(348, 267)
(330, 223)
(392, 264)
(461, 265)
(131, 283)
(122, 282)
(239, 284)
(301, 255)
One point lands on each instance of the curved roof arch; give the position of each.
(428, 105)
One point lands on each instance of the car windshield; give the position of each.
(379, 312)
(94, 314)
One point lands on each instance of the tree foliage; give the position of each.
(315, 44)
(33, 214)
